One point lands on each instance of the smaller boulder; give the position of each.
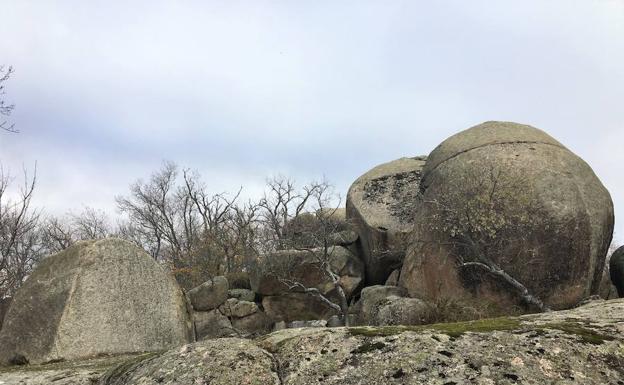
(4, 307)
(393, 279)
(235, 308)
(252, 325)
(307, 324)
(210, 294)
(387, 305)
(242, 294)
(616, 270)
(335, 322)
(296, 306)
(212, 324)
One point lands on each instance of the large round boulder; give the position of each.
(381, 206)
(510, 216)
(95, 298)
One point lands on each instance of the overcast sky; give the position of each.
(107, 90)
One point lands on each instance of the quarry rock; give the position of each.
(303, 267)
(210, 294)
(381, 205)
(96, 297)
(545, 217)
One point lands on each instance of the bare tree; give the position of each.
(485, 220)
(20, 246)
(198, 233)
(90, 224)
(57, 234)
(303, 240)
(5, 109)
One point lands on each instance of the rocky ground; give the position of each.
(580, 346)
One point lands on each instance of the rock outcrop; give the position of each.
(579, 346)
(616, 270)
(290, 307)
(224, 361)
(381, 206)
(210, 294)
(510, 196)
(96, 297)
(283, 303)
(387, 305)
(4, 307)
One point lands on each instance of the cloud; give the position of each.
(240, 90)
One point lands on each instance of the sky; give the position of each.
(105, 91)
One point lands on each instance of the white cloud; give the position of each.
(105, 91)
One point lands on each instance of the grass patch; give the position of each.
(587, 336)
(453, 329)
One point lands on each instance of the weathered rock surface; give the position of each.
(307, 324)
(393, 279)
(551, 235)
(235, 308)
(579, 346)
(242, 294)
(306, 229)
(290, 307)
(387, 305)
(212, 324)
(84, 372)
(4, 307)
(616, 270)
(381, 206)
(232, 361)
(210, 294)
(252, 325)
(97, 297)
(302, 266)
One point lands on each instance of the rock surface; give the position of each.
(381, 206)
(242, 294)
(387, 305)
(616, 270)
(212, 324)
(96, 297)
(579, 346)
(232, 361)
(4, 307)
(210, 294)
(290, 307)
(302, 266)
(551, 227)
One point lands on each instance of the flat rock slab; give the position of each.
(579, 346)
